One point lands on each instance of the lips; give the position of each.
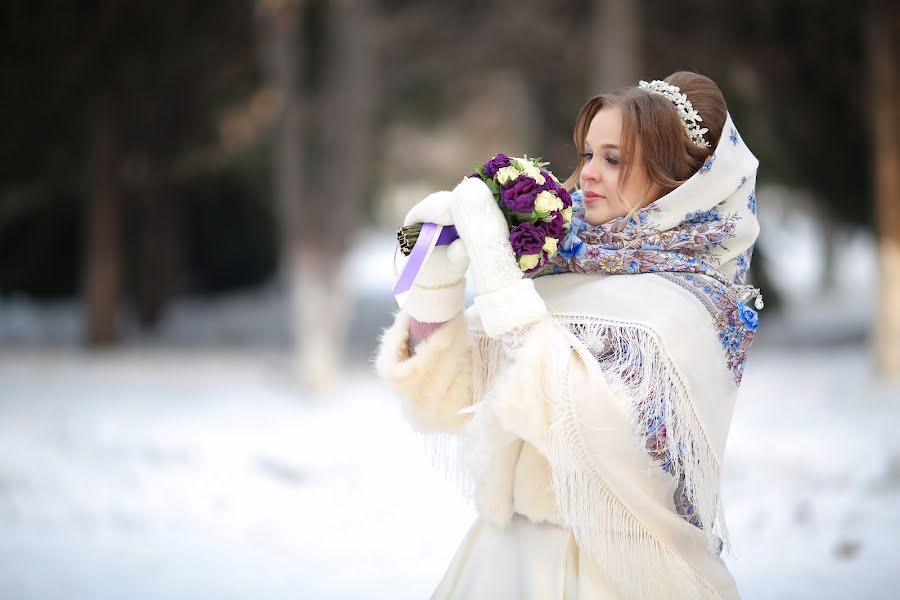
(591, 197)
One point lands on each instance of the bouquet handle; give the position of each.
(431, 235)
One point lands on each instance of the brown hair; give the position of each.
(653, 133)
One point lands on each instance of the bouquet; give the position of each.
(537, 208)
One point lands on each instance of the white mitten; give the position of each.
(483, 228)
(439, 292)
(506, 300)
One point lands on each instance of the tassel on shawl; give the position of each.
(636, 561)
(635, 363)
(633, 359)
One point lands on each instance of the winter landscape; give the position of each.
(187, 466)
(198, 203)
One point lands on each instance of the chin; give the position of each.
(596, 217)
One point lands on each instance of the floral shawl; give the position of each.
(699, 236)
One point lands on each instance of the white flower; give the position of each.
(505, 174)
(567, 215)
(535, 174)
(550, 244)
(546, 202)
(529, 169)
(529, 261)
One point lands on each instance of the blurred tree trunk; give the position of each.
(279, 23)
(832, 237)
(102, 278)
(345, 119)
(320, 197)
(884, 72)
(158, 246)
(615, 37)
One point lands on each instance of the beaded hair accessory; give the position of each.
(689, 117)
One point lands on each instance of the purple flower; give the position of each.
(495, 164)
(526, 239)
(519, 196)
(564, 196)
(549, 182)
(553, 228)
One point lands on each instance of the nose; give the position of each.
(589, 172)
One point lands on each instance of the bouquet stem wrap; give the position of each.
(431, 235)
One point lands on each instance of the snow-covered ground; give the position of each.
(147, 474)
(180, 475)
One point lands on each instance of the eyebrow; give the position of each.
(602, 146)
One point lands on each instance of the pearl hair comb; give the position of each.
(689, 117)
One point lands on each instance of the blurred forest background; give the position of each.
(197, 212)
(158, 152)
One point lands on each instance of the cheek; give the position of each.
(611, 182)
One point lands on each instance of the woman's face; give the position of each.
(603, 197)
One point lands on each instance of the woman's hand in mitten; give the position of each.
(439, 291)
(505, 300)
(483, 228)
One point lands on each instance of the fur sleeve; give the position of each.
(435, 383)
(518, 398)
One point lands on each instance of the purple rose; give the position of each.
(495, 164)
(564, 196)
(549, 183)
(519, 196)
(552, 228)
(526, 239)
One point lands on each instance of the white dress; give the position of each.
(522, 560)
(548, 422)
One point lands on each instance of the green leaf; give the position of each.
(525, 217)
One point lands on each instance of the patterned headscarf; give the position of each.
(700, 235)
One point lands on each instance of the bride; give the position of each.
(593, 397)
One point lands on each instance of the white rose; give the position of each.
(567, 215)
(550, 244)
(505, 174)
(527, 167)
(547, 202)
(529, 261)
(535, 173)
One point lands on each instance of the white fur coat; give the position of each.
(553, 418)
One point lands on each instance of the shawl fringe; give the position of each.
(633, 358)
(635, 560)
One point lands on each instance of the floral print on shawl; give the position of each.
(691, 249)
(735, 322)
(655, 432)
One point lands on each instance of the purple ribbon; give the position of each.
(448, 234)
(420, 251)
